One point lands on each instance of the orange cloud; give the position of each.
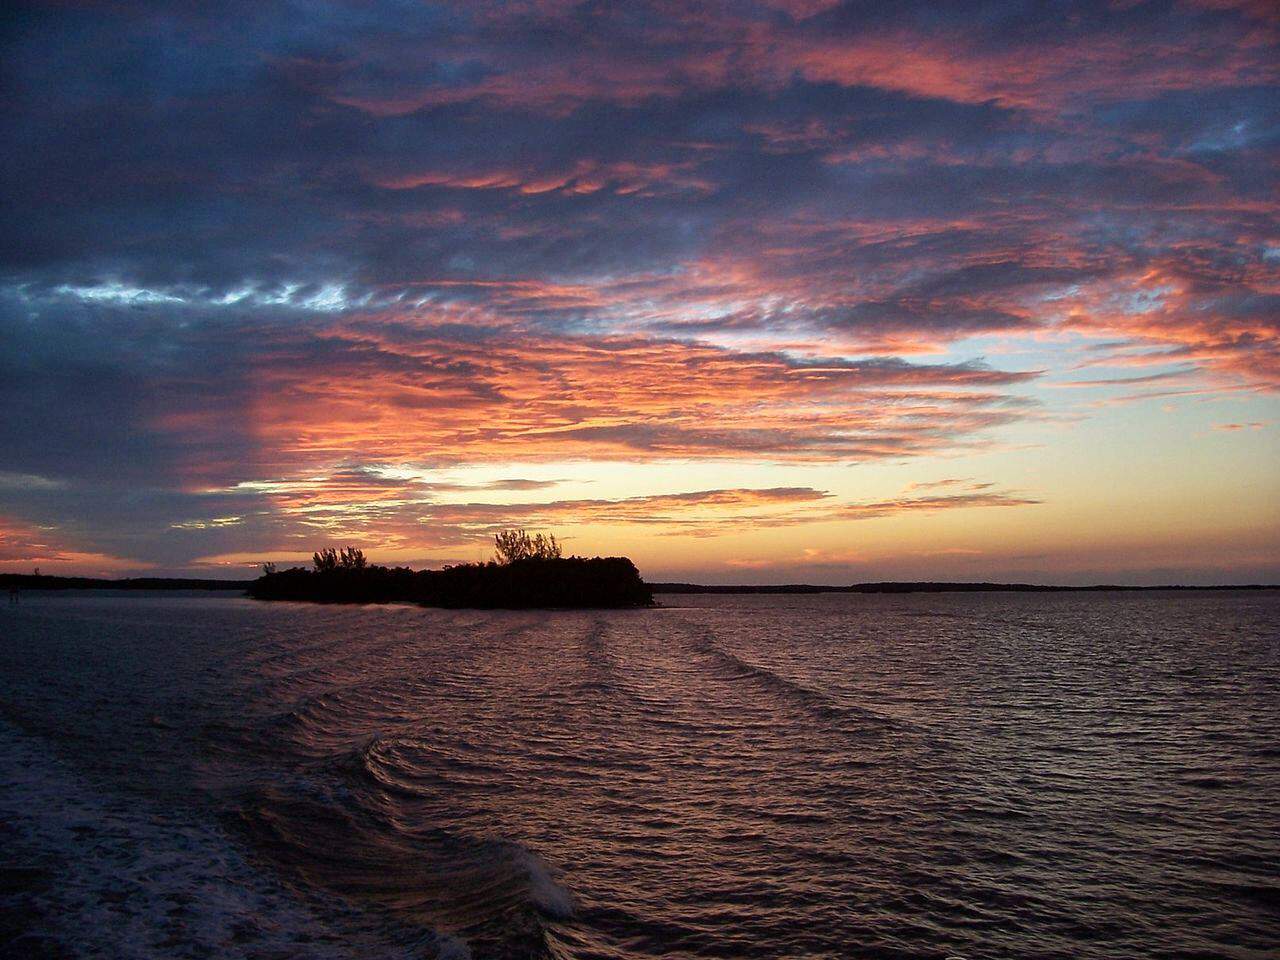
(24, 546)
(885, 508)
(1045, 74)
(388, 392)
(710, 46)
(624, 178)
(405, 517)
(1232, 427)
(1224, 322)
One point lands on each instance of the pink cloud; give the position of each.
(24, 546)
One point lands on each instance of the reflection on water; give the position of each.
(833, 776)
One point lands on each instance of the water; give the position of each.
(977, 776)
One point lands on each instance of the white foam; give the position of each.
(548, 895)
(451, 948)
(135, 881)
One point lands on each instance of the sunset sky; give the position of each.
(747, 291)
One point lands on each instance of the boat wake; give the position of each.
(111, 875)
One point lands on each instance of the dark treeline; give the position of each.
(518, 584)
(35, 581)
(926, 586)
(529, 571)
(528, 574)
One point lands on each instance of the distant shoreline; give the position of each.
(26, 581)
(927, 586)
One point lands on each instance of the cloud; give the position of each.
(554, 58)
(886, 508)
(968, 483)
(264, 257)
(714, 510)
(515, 483)
(152, 425)
(24, 547)
(27, 481)
(399, 529)
(421, 519)
(1232, 427)
(1179, 374)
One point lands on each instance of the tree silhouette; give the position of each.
(327, 559)
(532, 574)
(513, 545)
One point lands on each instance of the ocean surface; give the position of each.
(925, 776)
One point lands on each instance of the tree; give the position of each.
(513, 545)
(268, 568)
(328, 559)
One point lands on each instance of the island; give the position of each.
(528, 572)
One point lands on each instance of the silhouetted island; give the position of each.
(519, 581)
(566, 582)
(529, 572)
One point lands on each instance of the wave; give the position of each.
(797, 694)
(493, 897)
(101, 874)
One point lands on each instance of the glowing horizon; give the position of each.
(750, 292)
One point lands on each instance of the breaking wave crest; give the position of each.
(111, 875)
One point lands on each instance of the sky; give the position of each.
(789, 290)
